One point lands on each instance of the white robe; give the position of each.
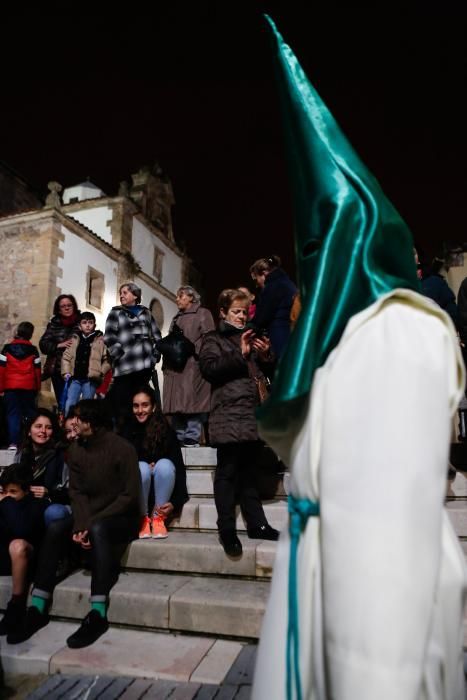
(381, 575)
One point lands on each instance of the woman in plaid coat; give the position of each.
(131, 334)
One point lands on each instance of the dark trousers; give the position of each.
(109, 538)
(58, 384)
(121, 392)
(235, 480)
(19, 404)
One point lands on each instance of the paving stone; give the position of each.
(191, 552)
(161, 690)
(207, 692)
(33, 656)
(220, 606)
(217, 662)
(185, 691)
(115, 689)
(45, 690)
(243, 669)
(123, 652)
(227, 692)
(457, 511)
(136, 690)
(244, 693)
(138, 598)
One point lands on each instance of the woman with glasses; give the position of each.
(57, 337)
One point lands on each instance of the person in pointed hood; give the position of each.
(367, 593)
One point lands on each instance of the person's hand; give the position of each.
(164, 510)
(82, 538)
(65, 343)
(246, 341)
(262, 347)
(39, 491)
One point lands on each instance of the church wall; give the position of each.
(97, 219)
(143, 247)
(78, 257)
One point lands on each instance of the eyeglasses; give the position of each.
(65, 306)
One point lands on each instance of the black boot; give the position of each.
(32, 622)
(92, 627)
(230, 542)
(263, 532)
(13, 617)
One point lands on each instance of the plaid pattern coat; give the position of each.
(131, 340)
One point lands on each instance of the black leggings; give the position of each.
(235, 478)
(109, 538)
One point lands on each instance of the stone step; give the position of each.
(200, 513)
(200, 604)
(122, 652)
(200, 482)
(200, 553)
(457, 511)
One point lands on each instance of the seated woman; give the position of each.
(160, 460)
(40, 453)
(232, 359)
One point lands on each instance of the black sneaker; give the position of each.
(231, 543)
(92, 627)
(33, 621)
(13, 617)
(263, 532)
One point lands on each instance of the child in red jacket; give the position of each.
(20, 379)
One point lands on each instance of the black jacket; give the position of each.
(273, 309)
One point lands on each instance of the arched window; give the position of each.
(155, 307)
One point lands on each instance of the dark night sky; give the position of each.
(101, 92)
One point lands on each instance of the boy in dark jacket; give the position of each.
(20, 379)
(21, 530)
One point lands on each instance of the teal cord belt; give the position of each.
(300, 509)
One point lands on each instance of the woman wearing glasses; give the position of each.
(57, 337)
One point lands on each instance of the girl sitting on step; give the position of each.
(160, 462)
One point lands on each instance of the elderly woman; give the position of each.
(186, 395)
(131, 334)
(57, 337)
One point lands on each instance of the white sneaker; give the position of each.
(12, 447)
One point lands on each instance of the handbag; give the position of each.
(262, 383)
(176, 349)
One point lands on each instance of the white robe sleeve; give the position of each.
(386, 417)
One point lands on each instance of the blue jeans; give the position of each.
(56, 511)
(75, 389)
(163, 474)
(19, 404)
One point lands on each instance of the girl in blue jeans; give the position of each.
(160, 460)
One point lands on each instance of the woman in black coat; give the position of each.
(160, 461)
(56, 337)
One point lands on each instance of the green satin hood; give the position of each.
(351, 244)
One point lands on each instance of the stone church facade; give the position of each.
(86, 243)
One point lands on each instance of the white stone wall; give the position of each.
(78, 255)
(144, 243)
(97, 220)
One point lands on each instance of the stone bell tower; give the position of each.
(152, 192)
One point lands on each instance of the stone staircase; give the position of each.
(184, 587)
(181, 610)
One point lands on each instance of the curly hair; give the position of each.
(156, 427)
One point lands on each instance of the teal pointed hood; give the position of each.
(351, 244)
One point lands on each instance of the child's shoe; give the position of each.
(13, 617)
(145, 530)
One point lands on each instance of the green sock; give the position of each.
(39, 603)
(101, 607)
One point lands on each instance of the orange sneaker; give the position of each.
(145, 530)
(159, 530)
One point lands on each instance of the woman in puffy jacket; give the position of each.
(231, 359)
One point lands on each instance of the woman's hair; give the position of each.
(156, 427)
(265, 265)
(134, 289)
(228, 296)
(56, 309)
(26, 440)
(191, 292)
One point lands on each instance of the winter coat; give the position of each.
(99, 361)
(168, 448)
(54, 334)
(49, 470)
(20, 366)
(435, 287)
(131, 340)
(104, 479)
(234, 395)
(273, 309)
(186, 391)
